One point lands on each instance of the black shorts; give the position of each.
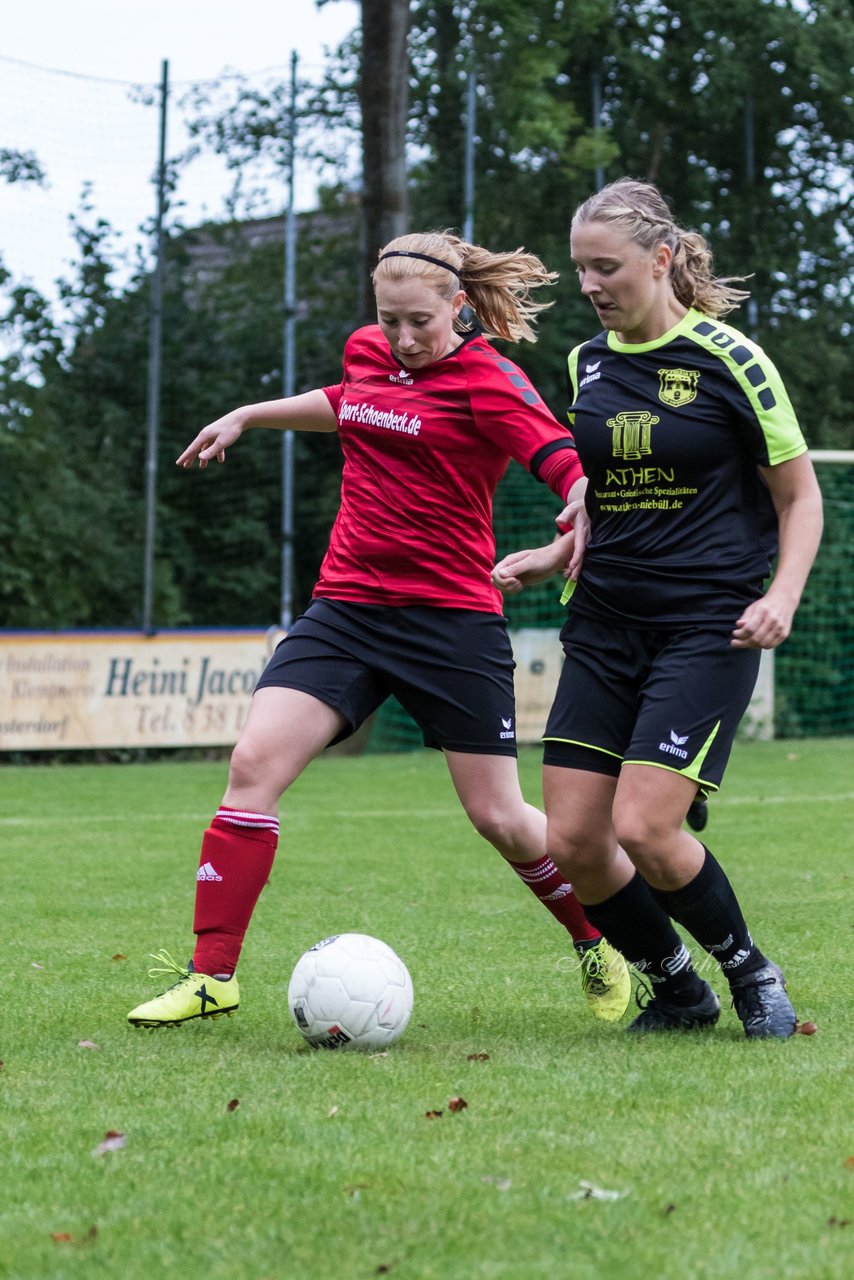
(451, 669)
(672, 699)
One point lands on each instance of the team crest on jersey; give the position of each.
(678, 386)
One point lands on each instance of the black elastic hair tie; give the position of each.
(425, 257)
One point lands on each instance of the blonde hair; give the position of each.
(498, 286)
(640, 211)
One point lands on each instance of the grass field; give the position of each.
(730, 1158)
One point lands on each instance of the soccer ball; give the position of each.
(350, 991)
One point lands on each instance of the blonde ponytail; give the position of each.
(640, 211)
(498, 286)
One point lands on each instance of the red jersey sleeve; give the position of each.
(333, 395)
(510, 411)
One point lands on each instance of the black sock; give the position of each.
(636, 925)
(708, 908)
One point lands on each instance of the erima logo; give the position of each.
(402, 377)
(207, 872)
(508, 730)
(675, 746)
(593, 375)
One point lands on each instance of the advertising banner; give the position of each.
(125, 689)
(88, 690)
(539, 658)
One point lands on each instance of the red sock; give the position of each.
(546, 882)
(238, 849)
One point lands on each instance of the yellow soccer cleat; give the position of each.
(605, 980)
(194, 995)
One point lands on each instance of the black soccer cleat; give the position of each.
(698, 814)
(663, 1015)
(762, 1004)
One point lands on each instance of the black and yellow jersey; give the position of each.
(670, 434)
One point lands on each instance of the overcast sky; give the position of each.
(67, 68)
(128, 39)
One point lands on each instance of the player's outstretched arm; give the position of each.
(525, 568)
(308, 412)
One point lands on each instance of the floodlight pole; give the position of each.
(468, 194)
(750, 175)
(596, 105)
(286, 610)
(155, 349)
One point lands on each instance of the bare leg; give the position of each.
(649, 809)
(489, 790)
(581, 836)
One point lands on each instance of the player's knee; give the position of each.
(493, 823)
(578, 854)
(646, 839)
(247, 765)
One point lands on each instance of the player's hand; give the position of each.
(574, 516)
(765, 623)
(525, 568)
(213, 440)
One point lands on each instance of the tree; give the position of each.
(384, 100)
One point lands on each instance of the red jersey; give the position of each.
(424, 450)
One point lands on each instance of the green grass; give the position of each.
(733, 1158)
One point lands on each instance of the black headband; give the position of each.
(425, 257)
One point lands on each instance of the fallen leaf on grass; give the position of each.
(233, 1104)
(849, 1163)
(588, 1191)
(113, 1141)
(432, 1115)
(806, 1029)
(65, 1237)
(478, 1057)
(333, 1111)
(119, 956)
(839, 1222)
(457, 1104)
(86, 1044)
(670, 1208)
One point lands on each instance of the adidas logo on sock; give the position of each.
(207, 872)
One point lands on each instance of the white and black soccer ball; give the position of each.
(350, 991)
